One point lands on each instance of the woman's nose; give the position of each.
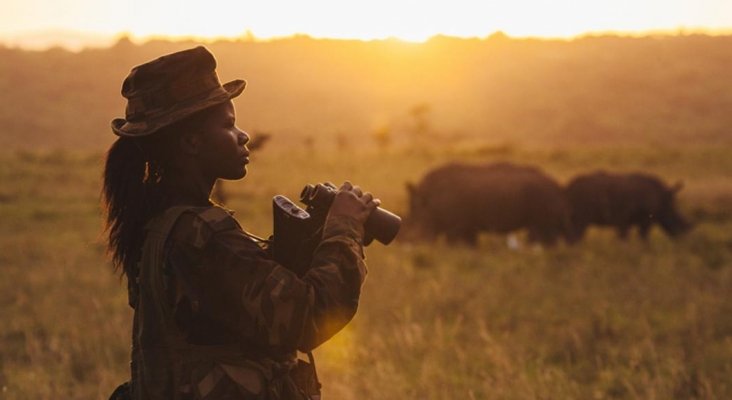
(242, 138)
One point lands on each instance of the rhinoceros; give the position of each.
(624, 200)
(460, 200)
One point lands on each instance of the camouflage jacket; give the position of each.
(216, 317)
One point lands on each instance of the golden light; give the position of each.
(339, 352)
(409, 20)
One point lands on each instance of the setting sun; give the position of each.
(406, 20)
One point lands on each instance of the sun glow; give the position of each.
(408, 20)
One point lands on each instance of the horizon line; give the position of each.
(79, 40)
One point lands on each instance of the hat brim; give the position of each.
(224, 93)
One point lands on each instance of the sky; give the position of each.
(39, 21)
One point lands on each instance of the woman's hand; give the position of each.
(351, 201)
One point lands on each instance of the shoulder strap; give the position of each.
(153, 373)
(150, 270)
(219, 219)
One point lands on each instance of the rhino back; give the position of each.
(496, 197)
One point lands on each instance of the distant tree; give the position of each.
(309, 142)
(248, 36)
(124, 43)
(259, 139)
(342, 142)
(382, 136)
(420, 122)
(498, 35)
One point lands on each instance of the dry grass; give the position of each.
(604, 319)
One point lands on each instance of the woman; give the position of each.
(214, 316)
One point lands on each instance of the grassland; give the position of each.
(595, 89)
(605, 319)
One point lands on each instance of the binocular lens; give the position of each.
(381, 225)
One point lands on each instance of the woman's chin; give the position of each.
(234, 175)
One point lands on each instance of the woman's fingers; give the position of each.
(347, 186)
(352, 200)
(357, 191)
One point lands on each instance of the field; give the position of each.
(604, 319)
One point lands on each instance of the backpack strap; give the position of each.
(151, 367)
(153, 252)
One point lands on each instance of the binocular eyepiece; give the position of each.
(382, 225)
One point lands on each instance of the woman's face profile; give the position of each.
(223, 152)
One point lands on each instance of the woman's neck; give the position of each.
(188, 190)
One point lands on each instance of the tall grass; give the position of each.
(603, 319)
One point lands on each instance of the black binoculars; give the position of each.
(297, 232)
(382, 225)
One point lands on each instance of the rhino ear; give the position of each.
(676, 187)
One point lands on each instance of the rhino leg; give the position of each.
(466, 236)
(545, 236)
(578, 231)
(623, 231)
(643, 228)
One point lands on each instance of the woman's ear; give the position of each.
(190, 143)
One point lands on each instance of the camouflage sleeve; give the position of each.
(338, 266)
(229, 288)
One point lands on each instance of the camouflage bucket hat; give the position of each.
(170, 88)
